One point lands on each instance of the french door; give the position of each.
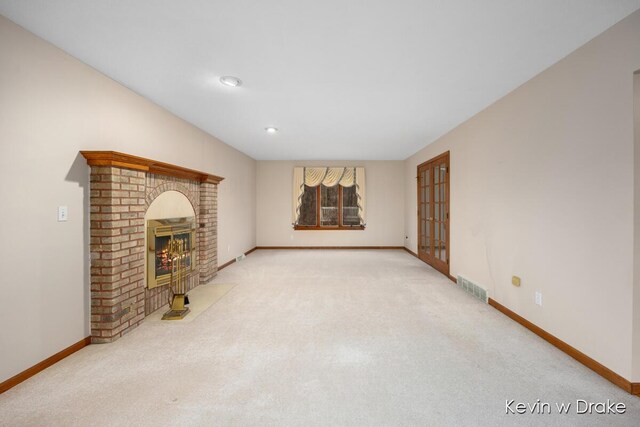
(433, 212)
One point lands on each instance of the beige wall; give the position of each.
(52, 106)
(384, 198)
(542, 187)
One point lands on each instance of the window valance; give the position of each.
(329, 177)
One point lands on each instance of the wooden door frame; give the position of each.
(435, 159)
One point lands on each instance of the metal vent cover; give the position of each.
(474, 290)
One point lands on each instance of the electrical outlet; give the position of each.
(539, 298)
(63, 213)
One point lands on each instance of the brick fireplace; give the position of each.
(122, 187)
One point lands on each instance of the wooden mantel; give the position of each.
(127, 161)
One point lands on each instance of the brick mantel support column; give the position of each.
(117, 251)
(207, 232)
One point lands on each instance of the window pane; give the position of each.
(329, 206)
(350, 206)
(308, 207)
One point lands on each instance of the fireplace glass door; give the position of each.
(160, 234)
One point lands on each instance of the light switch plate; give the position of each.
(539, 298)
(63, 213)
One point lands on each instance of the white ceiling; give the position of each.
(360, 79)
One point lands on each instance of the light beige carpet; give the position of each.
(200, 299)
(320, 338)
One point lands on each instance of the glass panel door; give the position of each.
(441, 217)
(425, 247)
(433, 212)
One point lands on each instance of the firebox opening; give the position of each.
(160, 234)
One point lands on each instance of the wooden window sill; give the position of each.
(315, 228)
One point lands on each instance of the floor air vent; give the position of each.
(240, 258)
(473, 289)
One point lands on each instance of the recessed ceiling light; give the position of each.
(271, 130)
(230, 81)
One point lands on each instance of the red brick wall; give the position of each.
(207, 233)
(117, 251)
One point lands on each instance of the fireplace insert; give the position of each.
(160, 233)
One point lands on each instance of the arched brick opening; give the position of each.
(173, 186)
(157, 297)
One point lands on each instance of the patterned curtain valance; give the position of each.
(329, 177)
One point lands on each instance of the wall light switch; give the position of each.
(539, 298)
(63, 213)
(515, 281)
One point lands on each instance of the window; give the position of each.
(328, 198)
(308, 209)
(329, 208)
